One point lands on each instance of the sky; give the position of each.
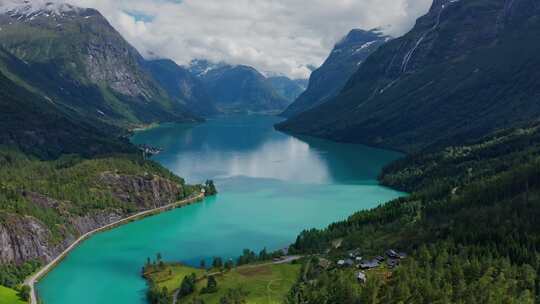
(277, 36)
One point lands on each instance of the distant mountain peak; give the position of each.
(359, 36)
(29, 8)
(348, 54)
(201, 67)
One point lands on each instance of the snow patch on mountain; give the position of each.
(29, 8)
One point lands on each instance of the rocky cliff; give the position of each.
(24, 238)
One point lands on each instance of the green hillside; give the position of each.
(466, 69)
(76, 58)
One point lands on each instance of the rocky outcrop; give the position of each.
(24, 238)
(145, 192)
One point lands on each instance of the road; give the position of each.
(31, 281)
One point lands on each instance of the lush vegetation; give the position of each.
(252, 283)
(11, 275)
(10, 296)
(72, 181)
(470, 226)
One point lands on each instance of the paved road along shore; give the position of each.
(31, 281)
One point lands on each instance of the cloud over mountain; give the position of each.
(283, 36)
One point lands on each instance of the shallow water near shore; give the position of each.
(272, 186)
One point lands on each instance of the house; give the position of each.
(358, 259)
(395, 255)
(345, 263)
(379, 258)
(361, 277)
(369, 264)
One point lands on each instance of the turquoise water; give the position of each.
(272, 186)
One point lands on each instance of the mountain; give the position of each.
(182, 86)
(344, 60)
(288, 88)
(79, 60)
(466, 68)
(37, 125)
(238, 88)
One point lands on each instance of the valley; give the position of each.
(405, 170)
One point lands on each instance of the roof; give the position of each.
(369, 264)
(396, 255)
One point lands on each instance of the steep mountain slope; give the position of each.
(78, 59)
(39, 126)
(465, 69)
(238, 88)
(182, 86)
(288, 88)
(344, 60)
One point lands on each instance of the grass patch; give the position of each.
(265, 283)
(9, 296)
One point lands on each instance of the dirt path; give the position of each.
(31, 281)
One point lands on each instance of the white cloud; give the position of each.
(282, 36)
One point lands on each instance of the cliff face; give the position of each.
(24, 238)
(144, 191)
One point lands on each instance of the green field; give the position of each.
(265, 284)
(9, 296)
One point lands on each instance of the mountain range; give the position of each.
(70, 66)
(241, 88)
(466, 69)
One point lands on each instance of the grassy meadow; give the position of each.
(9, 296)
(263, 283)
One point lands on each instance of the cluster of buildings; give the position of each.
(354, 259)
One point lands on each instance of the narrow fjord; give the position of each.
(272, 186)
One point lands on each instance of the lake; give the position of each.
(272, 186)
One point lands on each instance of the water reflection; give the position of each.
(286, 159)
(248, 146)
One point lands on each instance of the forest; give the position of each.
(470, 226)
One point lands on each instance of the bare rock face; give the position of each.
(87, 223)
(25, 238)
(146, 192)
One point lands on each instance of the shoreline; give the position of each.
(33, 279)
